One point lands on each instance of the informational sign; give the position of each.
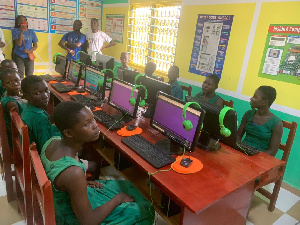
(115, 26)
(210, 44)
(281, 57)
(62, 15)
(88, 10)
(7, 14)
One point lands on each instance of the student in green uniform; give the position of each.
(12, 83)
(262, 128)
(7, 63)
(208, 94)
(176, 89)
(75, 200)
(36, 92)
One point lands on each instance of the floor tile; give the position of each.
(286, 220)
(295, 211)
(2, 188)
(288, 187)
(9, 212)
(20, 223)
(249, 223)
(158, 220)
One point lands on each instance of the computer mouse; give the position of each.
(80, 90)
(186, 162)
(131, 127)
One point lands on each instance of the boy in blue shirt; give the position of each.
(72, 42)
(176, 89)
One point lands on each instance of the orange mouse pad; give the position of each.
(52, 82)
(125, 133)
(97, 109)
(76, 93)
(195, 166)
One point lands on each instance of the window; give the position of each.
(153, 35)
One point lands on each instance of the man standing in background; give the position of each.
(2, 44)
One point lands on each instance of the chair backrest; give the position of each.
(228, 103)
(187, 88)
(42, 195)
(286, 148)
(20, 139)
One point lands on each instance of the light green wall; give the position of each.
(114, 1)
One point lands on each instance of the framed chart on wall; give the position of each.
(210, 44)
(115, 26)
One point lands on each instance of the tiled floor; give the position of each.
(287, 210)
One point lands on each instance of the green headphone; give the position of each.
(132, 100)
(75, 73)
(138, 76)
(54, 57)
(109, 80)
(187, 124)
(91, 57)
(78, 60)
(224, 131)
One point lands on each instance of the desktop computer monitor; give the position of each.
(129, 76)
(167, 119)
(61, 65)
(85, 58)
(104, 61)
(121, 73)
(153, 86)
(92, 78)
(119, 98)
(210, 133)
(74, 79)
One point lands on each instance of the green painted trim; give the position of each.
(114, 1)
(292, 171)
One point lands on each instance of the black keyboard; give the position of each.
(48, 77)
(148, 151)
(108, 121)
(247, 149)
(79, 98)
(62, 88)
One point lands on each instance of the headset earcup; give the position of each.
(225, 131)
(75, 74)
(83, 76)
(132, 101)
(187, 125)
(142, 103)
(94, 62)
(100, 82)
(109, 80)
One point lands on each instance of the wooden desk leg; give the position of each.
(232, 209)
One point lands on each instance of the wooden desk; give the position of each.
(221, 193)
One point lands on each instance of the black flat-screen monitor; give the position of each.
(153, 86)
(167, 119)
(210, 133)
(72, 68)
(104, 61)
(129, 76)
(119, 97)
(61, 65)
(91, 84)
(85, 58)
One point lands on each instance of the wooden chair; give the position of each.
(42, 195)
(286, 148)
(7, 159)
(188, 89)
(20, 139)
(228, 103)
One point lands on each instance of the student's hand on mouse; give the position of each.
(95, 184)
(124, 198)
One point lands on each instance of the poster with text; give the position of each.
(210, 44)
(88, 10)
(7, 14)
(281, 56)
(115, 27)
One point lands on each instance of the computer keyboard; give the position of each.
(62, 88)
(108, 121)
(79, 98)
(48, 77)
(148, 151)
(247, 149)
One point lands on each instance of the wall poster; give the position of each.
(210, 44)
(281, 56)
(115, 26)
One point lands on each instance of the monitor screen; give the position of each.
(71, 70)
(120, 74)
(168, 119)
(129, 76)
(119, 97)
(92, 78)
(61, 63)
(85, 58)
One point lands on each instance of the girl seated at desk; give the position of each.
(77, 201)
(262, 128)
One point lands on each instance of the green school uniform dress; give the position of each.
(259, 136)
(39, 125)
(176, 90)
(138, 212)
(211, 101)
(21, 103)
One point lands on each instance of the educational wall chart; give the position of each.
(210, 44)
(281, 56)
(53, 16)
(115, 26)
